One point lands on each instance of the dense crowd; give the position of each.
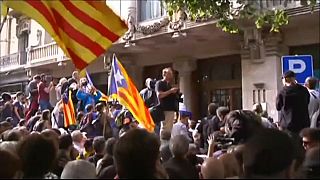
(107, 141)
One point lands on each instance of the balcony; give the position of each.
(10, 62)
(45, 54)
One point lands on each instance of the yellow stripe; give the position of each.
(79, 25)
(133, 102)
(105, 16)
(86, 55)
(28, 10)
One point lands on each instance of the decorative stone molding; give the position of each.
(129, 35)
(23, 26)
(253, 46)
(178, 21)
(152, 28)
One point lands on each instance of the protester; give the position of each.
(33, 96)
(78, 139)
(44, 88)
(18, 108)
(53, 99)
(37, 154)
(310, 137)
(314, 105)
(204, 126)
(268, 154)
(178, 167)
(136, 155)
(6, 107)
(149, 94)
(64, 153)
(10, 166)
(312, 163)
(60, 88)
(180, 128)
(167, 96)
(99, 146)
(257, 108)
(292, 102)
(44, 122)
(87, 94)
(78, 169)
(212, 169)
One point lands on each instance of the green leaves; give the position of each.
(227, 13)
(275, 19)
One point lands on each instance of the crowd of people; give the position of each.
(107, 142)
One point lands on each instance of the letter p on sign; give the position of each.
(297, 66)
(302, 65)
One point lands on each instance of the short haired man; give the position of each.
(179, 167)
(310, 137)
(269, 154)
(79, 169)
(167, 96)
(18, 108)
(292, 102)
(181, 127)
(44, 89)
(99, 146)
(314, 105)
(136, 155)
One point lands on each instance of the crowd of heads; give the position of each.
(106, 141)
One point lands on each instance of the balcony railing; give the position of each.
(9, 62)
(45, 53)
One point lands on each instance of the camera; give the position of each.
(224, 142)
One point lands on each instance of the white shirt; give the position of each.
(314, 103)
(180, 129)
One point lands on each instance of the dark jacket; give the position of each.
(180, 168)
(292, 102)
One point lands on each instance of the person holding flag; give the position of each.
(122, 89)
(87, 94)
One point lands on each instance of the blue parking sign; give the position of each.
(301, 65)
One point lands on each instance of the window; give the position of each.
(150, 9)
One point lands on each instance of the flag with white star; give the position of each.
(123, 89)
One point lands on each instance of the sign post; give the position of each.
(301, 65)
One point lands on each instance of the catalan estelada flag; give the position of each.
(128, 95)
(103, 96)
(84, 29)
(68, 110)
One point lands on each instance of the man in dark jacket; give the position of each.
(292, 102)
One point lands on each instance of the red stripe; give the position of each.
(131, 106)
(77, 61)
(65, 113)
(71, 112)
(77, 35)
(42, 9)
(85, 18)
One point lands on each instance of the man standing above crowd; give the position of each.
(33, 96)
(292, 102)
(168, 98)
(44, 89)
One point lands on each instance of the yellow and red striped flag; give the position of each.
(128, 95)
(68, 110)
(83, 29)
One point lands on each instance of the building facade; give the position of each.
(234, 70)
